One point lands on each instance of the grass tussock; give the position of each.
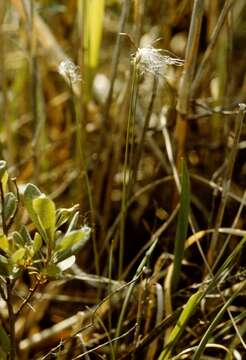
(122, 179)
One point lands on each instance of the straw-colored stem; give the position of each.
(201, 71)
(187, 76)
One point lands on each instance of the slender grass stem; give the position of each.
(233, 226)
(110, 268)
(126, 170)
(82, 162)
(130, 182)
(140, 192)
(144, 130)
(116, 56)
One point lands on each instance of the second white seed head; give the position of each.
(154, 60)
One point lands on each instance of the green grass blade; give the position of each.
(182, 226)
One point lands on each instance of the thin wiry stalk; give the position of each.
(226, 182)
(114, 340)
(143, 302)
(154, 333)
(192, 221)
(115, 145)
(107, 333)
(178, 185)
(82, 163)
(130, 182)
(234, 224)
(83, 346)
(146, 188)
(156, 234)
(144, 130)
(126, 169)
(138, 321)
(215, 186)
(110, 267)
(130, 289)
(90, 196)
(107, 171)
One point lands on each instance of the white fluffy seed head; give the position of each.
(154, 60)
(69, 70)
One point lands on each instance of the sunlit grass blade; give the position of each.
(93, 29)
(189, 308)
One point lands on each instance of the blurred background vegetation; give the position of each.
(70, 140)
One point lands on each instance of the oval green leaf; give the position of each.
(10, 202)
(45, 210)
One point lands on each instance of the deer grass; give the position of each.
(144, 128)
